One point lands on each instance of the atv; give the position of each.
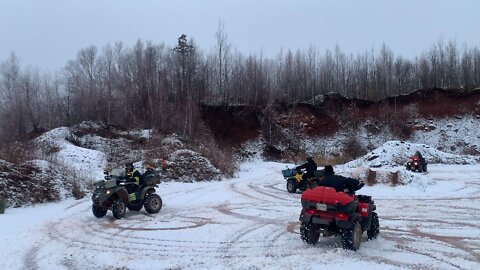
(112, 193)
(295, 180)
(416, 164)
(328, 212)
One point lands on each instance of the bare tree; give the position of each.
(13, 103)
(223, 56)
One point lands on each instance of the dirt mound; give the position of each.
(190, 166)
(31, 182)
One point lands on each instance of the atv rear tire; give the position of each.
(98, 211)
(352, 238)
(291, 186)
(119, 209)
(309, 233)
(374, 227)
(153, 204)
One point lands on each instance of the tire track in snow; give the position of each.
(30, 260)
(258, 228)
(261, 191)
(403, 245)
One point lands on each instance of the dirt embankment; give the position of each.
(234, 125)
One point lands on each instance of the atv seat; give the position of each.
(319, 173)
(149, 177)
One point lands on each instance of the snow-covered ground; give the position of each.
(251, 222)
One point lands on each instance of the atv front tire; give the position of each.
(374, 227)
(119, 209)
(309, 233)
(291, 186)
(352, 237)
(153, 204)
(98, 211)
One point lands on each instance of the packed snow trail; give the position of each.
(250, 222)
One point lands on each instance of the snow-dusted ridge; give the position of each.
(396, 153)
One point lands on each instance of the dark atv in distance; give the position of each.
(328, 212)
(295, 179)
(112, 193)
(416, 164)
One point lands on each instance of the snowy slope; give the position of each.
(394, 153)
(87, 163)
(251, 222)
(456, 135)
(390, 158)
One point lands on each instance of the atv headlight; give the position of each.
(416, 163)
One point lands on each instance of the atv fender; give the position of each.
(106, 200)
(103, 201)
(367, 221)
(147, 189)
(346, 224)
(123, 194)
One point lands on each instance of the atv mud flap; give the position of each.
(313, 219)
(317, 220)
(305, 218)
(344, 224)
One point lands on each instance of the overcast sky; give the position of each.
(47, 33)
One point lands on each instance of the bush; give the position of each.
(26, 183)
(16, 152)
(470, 150)
(222, 159)
(353, 149)
(331, 159)
(77, 191)
(399, 124)
(371, 177)
(394, 179)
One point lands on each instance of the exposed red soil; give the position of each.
(307, 118)
(234, 125)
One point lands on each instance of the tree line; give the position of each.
(159, 86)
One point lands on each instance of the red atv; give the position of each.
(328, 212)
(416, 163)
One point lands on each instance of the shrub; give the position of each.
(16, 152)
(353, 149)
(77, 191)
(222, 159)
(394, 179)
(471, 150)
(371, 177)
